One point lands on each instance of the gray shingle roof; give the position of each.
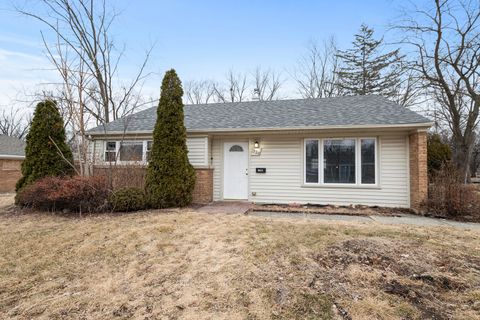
(11, 146)
(281, 114)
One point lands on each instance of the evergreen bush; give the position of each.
(127, 199)
(170, 176)
(46, 152)
(438, 152)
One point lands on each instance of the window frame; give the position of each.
(322, 161)
(131, 142)
(106, 142)
(358, 165)
(117, 151)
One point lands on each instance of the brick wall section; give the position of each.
(418, 169)
(203, 191)
(133, 176)
(9, 174)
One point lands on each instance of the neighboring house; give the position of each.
(345, 150)
(12, 153)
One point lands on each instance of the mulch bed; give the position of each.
(354, 210)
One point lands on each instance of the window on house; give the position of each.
(311, 161)
(149, 150)
(110, 151)
(131, 151)
(368, 161)
(339, 161)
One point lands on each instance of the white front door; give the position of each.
(235, 170)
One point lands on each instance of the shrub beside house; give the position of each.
(46, 152)
(170, 176)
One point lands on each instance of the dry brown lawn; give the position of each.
(184, 265)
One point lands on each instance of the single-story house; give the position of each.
(12, 153)
(344, 150)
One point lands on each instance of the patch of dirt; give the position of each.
(432, 282)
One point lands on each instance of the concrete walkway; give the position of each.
(403, 219)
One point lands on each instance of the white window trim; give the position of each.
(358, 167)
(144, 156)
(117, 152)
(117, 145)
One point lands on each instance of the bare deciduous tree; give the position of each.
(234, 90)
(87, 60)
(72, 98)
(13, 124)
(447, 42)
(407, 91)
(83, 26)
(200, 91)
(316, 72)
(266, 84)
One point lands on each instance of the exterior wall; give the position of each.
(418, 169)
(203, 191)
(401, 161)
(197, 149)
(10, 172)
(282, 156)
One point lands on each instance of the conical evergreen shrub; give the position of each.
(46, 152)
(170, 176)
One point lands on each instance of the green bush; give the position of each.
(127, 199)
(170, 177)
(46, 153)
(438, 152)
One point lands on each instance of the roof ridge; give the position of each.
(287, 100)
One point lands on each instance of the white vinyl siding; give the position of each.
(198, 151)
(283, 156)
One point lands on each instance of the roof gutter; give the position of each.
(11, 157)
(227, 130)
